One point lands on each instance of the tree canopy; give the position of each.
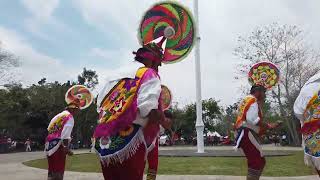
(8, 62)
(29, 110)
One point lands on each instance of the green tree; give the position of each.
(8, 62)
(47, 100)
(13, 108)
(26, 112)
(185, 118)
(88, 78)
(42, 81)
(178, 119)
(229, 117)
(87, 119)
(211, 113)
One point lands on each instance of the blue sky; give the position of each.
(57, 38)
(64, 24)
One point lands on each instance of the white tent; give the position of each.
(163, 139)
(215, 133)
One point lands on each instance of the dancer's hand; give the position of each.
(155, 115)
(65, 149)
(166, 123)
(167, 120)
(70, 153)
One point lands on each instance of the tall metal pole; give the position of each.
(199, 122)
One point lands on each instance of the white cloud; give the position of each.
(42, 19)
(120, 19)
(115, 55)
(105, 54)
(34, 26)
(34, 64)
(41, 9)
(221, 22)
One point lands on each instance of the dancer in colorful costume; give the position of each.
(60, 129)
(127, 112)
(307, 110)
(129, 109)
(249, 124)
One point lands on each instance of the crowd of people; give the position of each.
(8, 144)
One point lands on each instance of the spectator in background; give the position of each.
(9, 141)
(284, 139)
(210, 140)
(216, 140)
(93, 142)
(14, 145)
(28, 145)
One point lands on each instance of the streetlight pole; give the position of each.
(199, 122)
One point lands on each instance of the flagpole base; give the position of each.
(200, 142)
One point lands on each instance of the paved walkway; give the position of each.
(269, 147)
(11, 168)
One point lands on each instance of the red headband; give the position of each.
(148, 55)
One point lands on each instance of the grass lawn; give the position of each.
(292, 165)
